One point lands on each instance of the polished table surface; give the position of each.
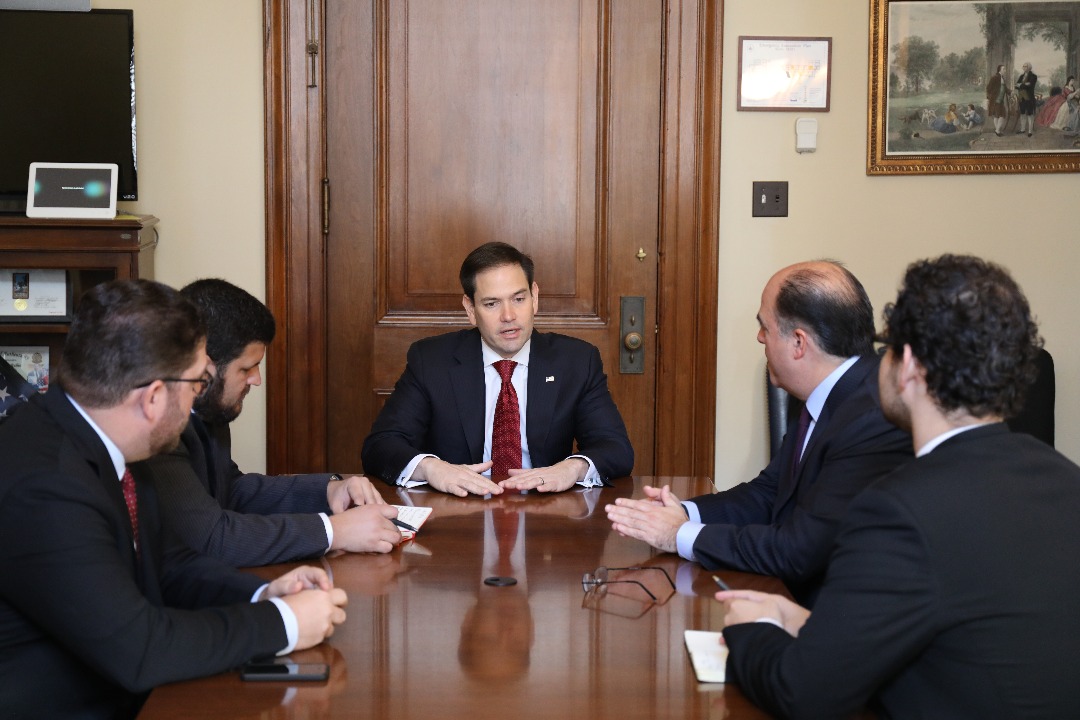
(425, 637)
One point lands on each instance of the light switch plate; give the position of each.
(770, 199)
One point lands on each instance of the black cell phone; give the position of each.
(284, 671)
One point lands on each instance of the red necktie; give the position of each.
(127, 484)
(506, 431)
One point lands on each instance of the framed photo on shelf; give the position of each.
(34, 296)
(784, 74)
(960, 87)
(30, 361)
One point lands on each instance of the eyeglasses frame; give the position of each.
(206, 379)
(589, 581)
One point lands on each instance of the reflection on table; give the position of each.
(427, 637)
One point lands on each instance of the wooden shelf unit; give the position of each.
(91, 251)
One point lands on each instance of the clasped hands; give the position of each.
(319, 607)
(655, 519)
(461, 480)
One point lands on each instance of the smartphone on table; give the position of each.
(284, 670)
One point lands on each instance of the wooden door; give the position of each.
(556, 126)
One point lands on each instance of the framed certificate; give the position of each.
(34, 296)
(784, 73)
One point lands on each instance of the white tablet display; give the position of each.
(71, 190)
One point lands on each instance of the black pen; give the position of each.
(403, 526)
(723, 585)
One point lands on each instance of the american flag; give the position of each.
(14, 389)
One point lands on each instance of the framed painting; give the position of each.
(962, 87)
(784, 73)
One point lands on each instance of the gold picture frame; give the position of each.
(932, 115)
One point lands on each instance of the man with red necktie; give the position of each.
(500, 399)
(104, 605)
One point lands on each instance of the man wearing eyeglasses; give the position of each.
(248, 519)
(99, 605)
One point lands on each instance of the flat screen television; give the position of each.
(67, 95)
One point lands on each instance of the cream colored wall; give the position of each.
(199, 83)
(875, 225)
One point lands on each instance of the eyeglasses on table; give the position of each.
(600, 579)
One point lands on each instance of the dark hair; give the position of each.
(127, 333)
(492, 255)
(969, 325)
(838, 315)
(234, 318)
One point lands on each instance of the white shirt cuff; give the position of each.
(292, 627)
(686, 537)
(329, 531)
(771, 621)
(592, 477)
(405, 478)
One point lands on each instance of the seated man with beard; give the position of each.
(247, 519)
(98, 605)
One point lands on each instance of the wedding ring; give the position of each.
(541, 481)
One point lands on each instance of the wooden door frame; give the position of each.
(297, 379)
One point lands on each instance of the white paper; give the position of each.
(708, 655)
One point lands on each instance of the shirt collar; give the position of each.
(932, 444)
(816, 401)
(115, 455)
(521, 357)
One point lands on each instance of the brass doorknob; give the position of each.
(633, 341)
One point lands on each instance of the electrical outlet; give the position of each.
(770, 199)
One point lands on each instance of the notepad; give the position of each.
(707, 654)
(411, 515)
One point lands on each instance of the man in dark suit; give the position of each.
(437, 427)
(954, 588)
(1025, 94)
(997, 93)
(248, 519)
(817, 326)
(99, 605)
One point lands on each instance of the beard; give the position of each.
(213, 407)
(893, 407)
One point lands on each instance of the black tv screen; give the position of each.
(67, 94)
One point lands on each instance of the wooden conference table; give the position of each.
(425, 637)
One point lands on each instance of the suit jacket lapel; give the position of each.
(844, 387)
(467, 378)
(540, 407)
(89, 446)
